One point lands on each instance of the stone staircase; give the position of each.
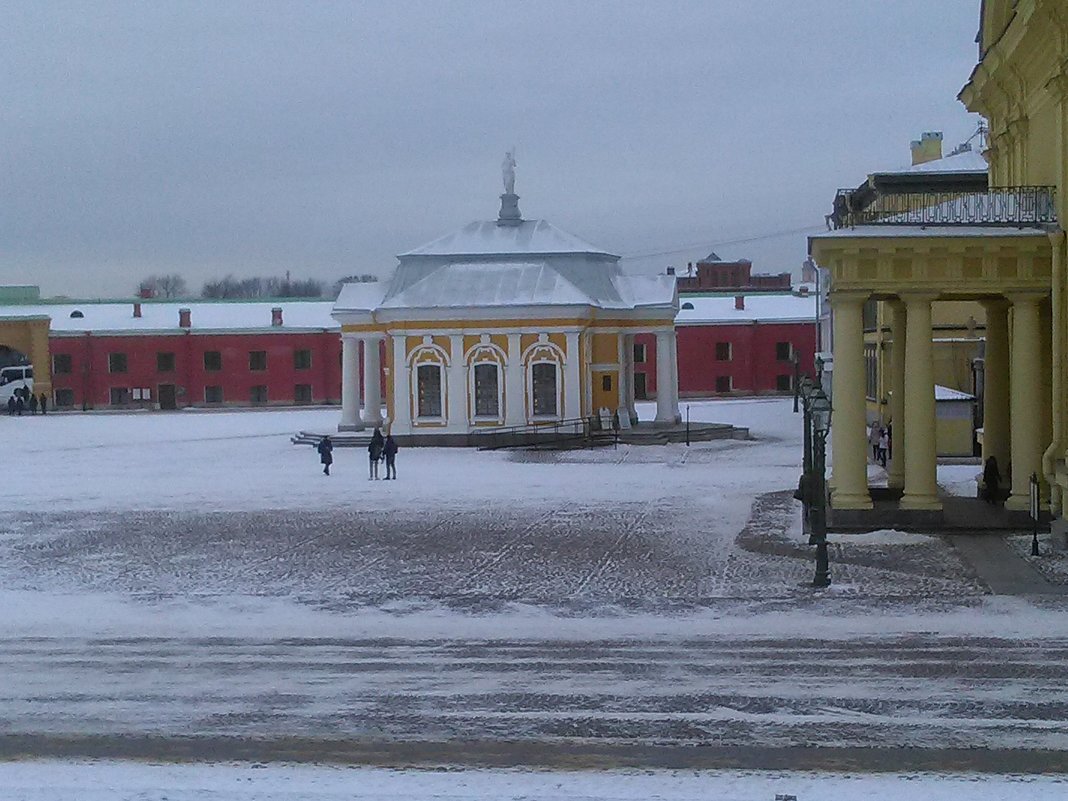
(341, 439)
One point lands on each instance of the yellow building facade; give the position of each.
(1002, 248)
(503, 323)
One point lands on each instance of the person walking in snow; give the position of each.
(326, 454)
(884, 446)
(991, 481)
(873, 439)
(374, 452)
(44, 403)
(11, 405)
(20, 404)
(33, 403)
(389, 450)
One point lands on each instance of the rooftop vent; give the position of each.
(276, 316)
(76, 315)
(739, 302)
(687, 306)
(185, 318)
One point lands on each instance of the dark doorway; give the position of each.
(167, 397)
(639, 387)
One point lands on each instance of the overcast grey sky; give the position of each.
(323, 138)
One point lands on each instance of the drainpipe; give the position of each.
(1049, 458)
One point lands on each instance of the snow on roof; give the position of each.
(946, 394)
(490, 284)
(969, 161)
(946, 231)
(491, 239)
(646, 290)
(155, 316)
(764, 307)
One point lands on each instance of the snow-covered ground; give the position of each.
(195, 575)
(109, 781)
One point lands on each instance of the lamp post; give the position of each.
(797, 379)
(820, 412)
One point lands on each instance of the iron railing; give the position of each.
(1020, 206)
(543, 433)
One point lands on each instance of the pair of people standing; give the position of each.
(879, 440)
(379, 448)
(382, 448)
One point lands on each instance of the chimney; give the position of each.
(185, 318)
(670, 270)
(927, 148)
(276, 316)
(137, 309)
(739, 302)
(802, 291)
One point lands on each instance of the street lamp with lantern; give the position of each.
(820, 412)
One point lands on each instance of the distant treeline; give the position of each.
(231, 288)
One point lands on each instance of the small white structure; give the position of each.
(501, 323)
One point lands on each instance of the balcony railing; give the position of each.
(1019, 206)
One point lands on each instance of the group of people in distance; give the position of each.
(378, 450)
(879, 438)
(22, 400)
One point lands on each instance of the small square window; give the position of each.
(213, 394)
(116, 362)
(258, 393)
(212, 360)
(723, 351)
(639, 353)
(302, 393)
(724, 383)
(784, 383)
(62, 364)
(257, 360)
(302, 359)
(120, 396)
(64, 398)
(784, 351)
(165, 362)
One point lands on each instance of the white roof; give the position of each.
(155, 316)
(764, 308)
(490, 239)
(946, 394)
(490, 284)
(970, 161)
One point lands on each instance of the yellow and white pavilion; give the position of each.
(501, 323)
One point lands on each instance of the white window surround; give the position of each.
(479, 356)
(428, 356)
(543, 352)
(558, 388)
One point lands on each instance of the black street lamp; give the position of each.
(820, 412)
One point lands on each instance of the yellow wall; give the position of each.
(30, 337)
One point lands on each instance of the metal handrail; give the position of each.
(1023, 206)
(537, 433)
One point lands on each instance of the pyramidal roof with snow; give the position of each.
(489, 238)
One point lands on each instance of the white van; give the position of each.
(12, 378)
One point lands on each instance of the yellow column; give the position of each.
(896, 472)
(921, 466)
(996, 384)
(849, 442)
(1059, 324)
(1025, 402)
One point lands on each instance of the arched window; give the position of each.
(76, 315)
(544, 395)
(687, 306)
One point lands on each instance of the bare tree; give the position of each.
(162, 286)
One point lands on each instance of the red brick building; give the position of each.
(743, 344)
(715, 275)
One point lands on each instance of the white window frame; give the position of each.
(472, 387)
(440, 367)
(530, 389)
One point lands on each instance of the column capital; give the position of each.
(994, 304)
(846, 298)
(1025, 297)
(351, 336)
(912, 298)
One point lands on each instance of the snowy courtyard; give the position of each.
(195, 575)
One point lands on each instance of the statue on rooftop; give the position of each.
(508, 172)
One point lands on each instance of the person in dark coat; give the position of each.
(389, 450)
(11, 402)
(374, 451)
(33, 403)
(326, 454)
(991, 480)
(20, 405)
(44, 403)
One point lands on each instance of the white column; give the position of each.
(402, 387)
(622, 375)
(372, 381)
(515, 401)
(849, 442)
(629, 340)
(1025, 401)
(350, 385)
(921, 454)
(457, 385)
(674, 340)
(665, 410)
(896, 472)
(572, 380)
